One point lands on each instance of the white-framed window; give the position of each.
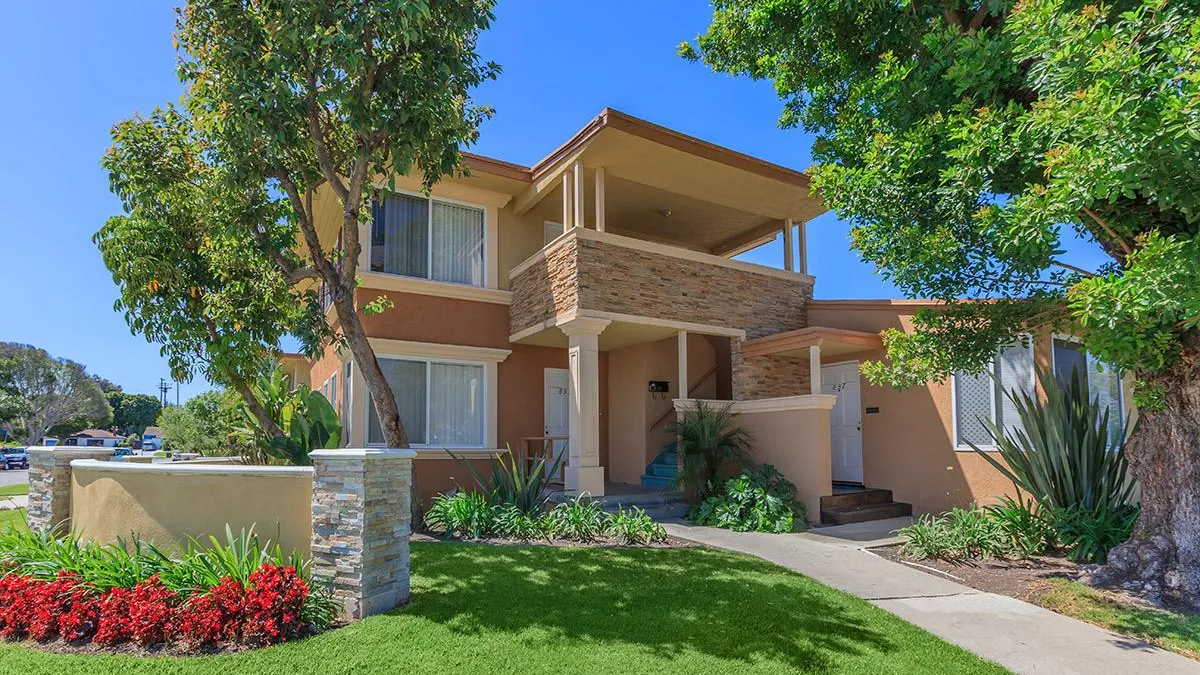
(346, 379)
(441, 402)
(333, 391)
(978, 398)
(1103, 380)
(427, 238)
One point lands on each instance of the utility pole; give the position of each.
(163, 388)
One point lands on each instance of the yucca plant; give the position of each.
(1062, 454)
(516, 481)
(708, 440)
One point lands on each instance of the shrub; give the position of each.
(708, 441)
(516, 481)
(1029, 529)
(150, 612)
(961, 533)
(209, 618)
(581, 520)
(513, 523)
(634, 527)
(1089, 534)
(462, 513)
(273, 605)
(759, 500)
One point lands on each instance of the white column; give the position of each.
(568, 192)
(683, 369)
(814, 368)
(789, 246)
(584, 473)
(599, 199)
(803, 248)
(579, 200)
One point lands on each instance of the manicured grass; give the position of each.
(496, 610)
(10, 518)
(14, 490)
(1177, 632)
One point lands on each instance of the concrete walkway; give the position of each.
(14, 502)
(1024, 638)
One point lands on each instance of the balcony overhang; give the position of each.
(623, 330)
(833, 343)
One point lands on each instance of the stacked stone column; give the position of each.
(50, 484)
(361, 522)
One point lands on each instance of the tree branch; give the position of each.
(1117, 239)
(1068, 266)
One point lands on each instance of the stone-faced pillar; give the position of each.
(361, 526)
(584, 473)
(50, 484)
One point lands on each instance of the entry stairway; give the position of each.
(661, 472)
(852, 504)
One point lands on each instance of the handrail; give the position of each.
(695, 385)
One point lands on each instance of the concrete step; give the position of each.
(864, 513)
(656, 481)
(845, 499)
(662, 470)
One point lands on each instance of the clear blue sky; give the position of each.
(74, 68)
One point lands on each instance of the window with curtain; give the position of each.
(346, 378)
(441, 404)
(978, 398)
(428, 239)
(1102, 380)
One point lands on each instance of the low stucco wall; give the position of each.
(165, 503)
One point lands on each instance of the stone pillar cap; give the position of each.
(68, 450)
(363, 453)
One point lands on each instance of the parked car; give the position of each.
(122, 452)
(15, 458)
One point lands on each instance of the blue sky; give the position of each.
(73, 71)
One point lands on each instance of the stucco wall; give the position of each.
(164, 503)
(797, 443)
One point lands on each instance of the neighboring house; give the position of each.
(576, 303)
(93, 438)
(152, 439)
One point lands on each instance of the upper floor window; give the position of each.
(1103, 380)
(979, 398)
(426, 238)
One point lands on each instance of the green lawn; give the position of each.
(1177, 632)
(14, 490)
(494, 610)
(12, 518)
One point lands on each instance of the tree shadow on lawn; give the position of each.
(667, 600)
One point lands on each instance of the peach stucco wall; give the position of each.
(797, 443)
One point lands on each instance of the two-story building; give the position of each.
(575, 304)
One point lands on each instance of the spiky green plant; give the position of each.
(467, 514)
(1063, 454)
(582, 520)
(708, 440)
(515, 481)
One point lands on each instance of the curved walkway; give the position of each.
(1024, 638)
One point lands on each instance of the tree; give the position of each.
(205, 424)
(132, 413)
(963, 140)
(53, 391)
(287, 104)
(106, 385)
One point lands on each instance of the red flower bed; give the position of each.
(267, 611)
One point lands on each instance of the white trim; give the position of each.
(954, 444)
(437, 350)
(490, 394)
(660, 249)
(489, 254)
(431, 452)
(67, 450)
(196, 469)
(700, 328)
(443, 289)
(363, 453)
(765, 405)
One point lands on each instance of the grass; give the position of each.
(1176, 632)
(12, 518)
(479, 608)
(14, 490)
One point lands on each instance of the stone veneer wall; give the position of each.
(50, 484)
(770, 376)
(361, 519)
(592, 274)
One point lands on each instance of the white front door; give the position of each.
(845, 421)
(558, 411)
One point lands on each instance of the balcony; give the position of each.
(587, 273)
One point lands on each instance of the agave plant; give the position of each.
(709, 440)
(1063, 454)
(515, 481)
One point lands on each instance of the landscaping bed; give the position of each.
(1025, 579)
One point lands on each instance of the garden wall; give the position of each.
(165, 503)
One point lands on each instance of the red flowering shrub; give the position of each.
(273, 605)
(151, 614)
(112, 624)
(46, 602)
(213, 616)
(14, 610)
(82, 615)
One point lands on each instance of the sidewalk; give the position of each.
(1024, 638)
(15, 502)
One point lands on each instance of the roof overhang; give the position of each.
(832, 342)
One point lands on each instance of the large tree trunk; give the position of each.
(1162, 558)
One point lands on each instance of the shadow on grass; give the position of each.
(668, 601)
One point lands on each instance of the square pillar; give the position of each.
(361, 516)
(814, 368)
(789, 246)
(50, 484)
(682, 353)
(584, 473)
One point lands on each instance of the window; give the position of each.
(333, 391)
(441, 403)
(428, 239)
(1103, 381)
(346, 377)
(979, 399)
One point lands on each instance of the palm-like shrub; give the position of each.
(708, 440)
(516, 481)
(1063, 454)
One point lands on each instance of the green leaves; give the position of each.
(305, 418)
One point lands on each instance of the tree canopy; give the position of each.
(132, 413)
(44, 392)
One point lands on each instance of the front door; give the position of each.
(558, 412)
(845, 421)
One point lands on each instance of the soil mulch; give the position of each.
(1022, 579)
